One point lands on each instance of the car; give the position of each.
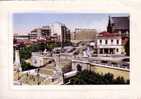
(124, 65)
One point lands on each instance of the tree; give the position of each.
(88, 77)
(119, 80)
(127, 48)
(108, 78)
(25, 52)
(25, 66)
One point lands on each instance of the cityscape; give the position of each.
(71, 49)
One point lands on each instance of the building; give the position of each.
(110, 44)
(56, 32)
(82, 34)
(33, 35)
(61, 31)
(21, 37)
(118, 25)
(42, 33)
(20, 40)
(40, 59)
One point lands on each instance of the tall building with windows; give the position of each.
(118, 25)
(61, 31)
(40, 33)
(84, 34)
(56, 32)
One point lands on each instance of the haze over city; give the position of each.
(23, 23)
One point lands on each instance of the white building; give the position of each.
(40, 58)
(62, 32)
(37, 59)
(56, 28)
(109, 44)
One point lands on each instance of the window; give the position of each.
(117, 49)
(101, 51)
(106, 41)
(117, 41)
(111, 41)
(100, 41)
(35, 62)
(79, 68)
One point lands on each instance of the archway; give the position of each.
(79, 68)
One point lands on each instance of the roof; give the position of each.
(108, 34)
(19, 41)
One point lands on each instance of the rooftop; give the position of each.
(108, 34)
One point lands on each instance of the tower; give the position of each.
(17, 64)
(109, 27)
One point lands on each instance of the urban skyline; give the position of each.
(50, 54)
(23, 23)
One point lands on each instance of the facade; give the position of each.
(56, 32)
(21, 37)
(33, 35)
(80, 65)
(61, 31)
(82, 34)
(109, 44)
(21, 40)
(118, 25)
(112, 42)
(37, 59)
(40, 33)
(40, 58)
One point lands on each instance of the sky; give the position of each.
(23, 23)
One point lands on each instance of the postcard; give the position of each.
(64, 49)
(71, 48)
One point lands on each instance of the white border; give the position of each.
(86, 92)
(56, 87)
